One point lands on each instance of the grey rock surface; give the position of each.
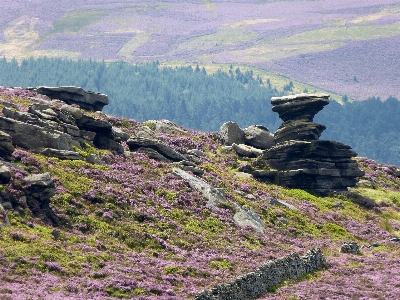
(119, 134)
(246, 151)
(258, 136)
(350, 247)
(61, 154)
(230, 133)
(6, 146)
(75, 95)
(75, 112)
(5, 174)
(247, 217)
(166, 126)
(4, 220)
(94, 159)
(30, 136)
(39, 190)
(135, 143)
(215, 196)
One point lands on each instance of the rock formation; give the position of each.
(299, 159)
(46, 127)
(75, 95)
(248, 142)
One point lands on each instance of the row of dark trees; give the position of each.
(194, 99)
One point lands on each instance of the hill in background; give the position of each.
(345, 47)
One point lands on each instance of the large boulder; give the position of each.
(4, 220)
(215, 196)
(75, 95)
(5, 174)
(246, 217)
(258, 136)
(89, 123)
(230, 133)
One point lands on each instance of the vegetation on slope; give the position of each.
(130, 229)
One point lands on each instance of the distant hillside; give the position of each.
(324, 43)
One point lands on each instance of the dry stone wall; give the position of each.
(255, 284)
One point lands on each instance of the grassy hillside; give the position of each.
(322, 43)
(128, 228)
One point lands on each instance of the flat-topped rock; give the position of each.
(300, 106)
(75, 95)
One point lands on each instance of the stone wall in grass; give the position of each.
(255, 284)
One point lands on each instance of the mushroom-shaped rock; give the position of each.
(300, 106)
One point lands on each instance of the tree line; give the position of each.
(192, 98)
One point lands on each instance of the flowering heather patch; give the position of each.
(129, 228)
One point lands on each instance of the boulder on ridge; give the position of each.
(75, 95)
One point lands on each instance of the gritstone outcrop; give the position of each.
(298, 158)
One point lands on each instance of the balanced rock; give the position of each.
(75, 95)
(299, 159)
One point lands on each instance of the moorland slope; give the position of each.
(346, 47)
(83, 221)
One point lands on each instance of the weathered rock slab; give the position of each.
(246, 151)
(75, 95)
(246, 217)
(135, 143)
(30, 136)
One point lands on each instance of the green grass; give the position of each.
(74, 21)
(343, 33)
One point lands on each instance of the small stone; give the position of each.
(56, 234)
(93, 159)
(5, 174)
(350, 247)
